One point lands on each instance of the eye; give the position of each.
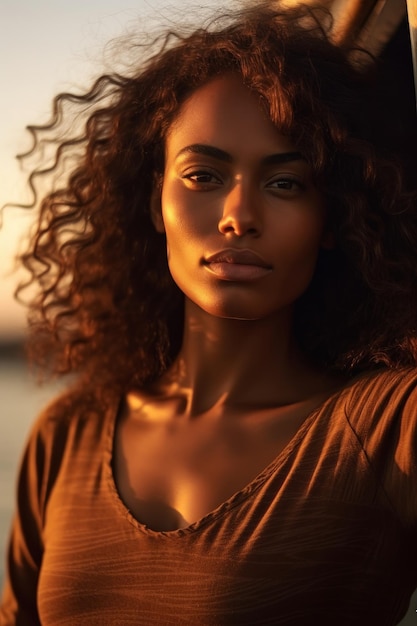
(202, 179)
(286, 184)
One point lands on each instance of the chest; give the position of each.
(171, 474)
(273, 553)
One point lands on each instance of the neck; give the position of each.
(251, 363)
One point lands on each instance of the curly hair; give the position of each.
(106, 305)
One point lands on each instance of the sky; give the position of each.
(47, 46)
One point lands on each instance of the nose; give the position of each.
(240, 212)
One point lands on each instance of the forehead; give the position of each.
(226, 114)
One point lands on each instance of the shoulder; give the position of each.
(379, 404)
(378, 407)
(388, 391)
(71, 427)
(381, 409)
(75, 420)
(71, 409)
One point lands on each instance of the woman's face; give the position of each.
(243, 220)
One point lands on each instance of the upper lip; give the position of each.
(240, 257)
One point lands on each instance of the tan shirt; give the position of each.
(326, 534)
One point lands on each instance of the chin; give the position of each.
(234, 312)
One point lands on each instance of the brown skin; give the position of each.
(239, 389)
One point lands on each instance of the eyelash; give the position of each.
(296, 184)
(204, 178)
(192, 176)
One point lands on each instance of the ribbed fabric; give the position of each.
(326, 534)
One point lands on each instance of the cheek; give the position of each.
(297, 249)
(302, 235)
(178, 234)
(181, 239)
(172, 218)
(173, 211)
(185, 219)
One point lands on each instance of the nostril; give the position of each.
(227, 229)
(239, 230)
(239, 218)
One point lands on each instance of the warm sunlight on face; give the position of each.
(243, 220)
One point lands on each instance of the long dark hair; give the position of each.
(106, 305)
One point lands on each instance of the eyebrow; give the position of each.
(221, 155)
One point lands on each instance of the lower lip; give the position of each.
(237, 271)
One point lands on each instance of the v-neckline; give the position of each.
(237, 497)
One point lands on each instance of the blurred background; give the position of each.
(46, 47)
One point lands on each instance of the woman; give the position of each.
(230, 269)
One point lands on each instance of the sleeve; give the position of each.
(389, 432)
(18, 605)
(405, 460)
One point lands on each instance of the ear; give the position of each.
(156, 207)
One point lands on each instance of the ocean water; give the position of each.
(20, 402)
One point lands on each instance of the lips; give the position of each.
(237, 265)
(238, 257)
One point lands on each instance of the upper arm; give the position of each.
(19, 605)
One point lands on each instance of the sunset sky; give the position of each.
(45, 47)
